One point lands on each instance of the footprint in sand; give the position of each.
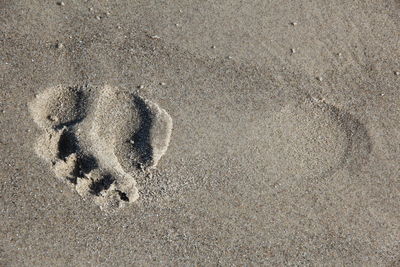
(303, 138)
(90, 139)
(312, 138)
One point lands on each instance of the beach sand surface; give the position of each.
(200, 133)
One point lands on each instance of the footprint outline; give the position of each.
(89, 166)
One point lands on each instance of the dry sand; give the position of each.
(166, 133)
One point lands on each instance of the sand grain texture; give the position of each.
(159, 133)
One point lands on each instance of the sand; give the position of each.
(229, 133)
(86, 137)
